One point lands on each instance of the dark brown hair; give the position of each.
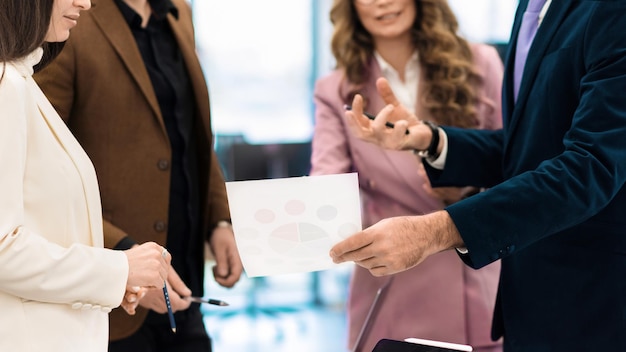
(23, 28)
(450, 79)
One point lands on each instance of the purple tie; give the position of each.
(527, 31)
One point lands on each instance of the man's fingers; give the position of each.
(350, 249)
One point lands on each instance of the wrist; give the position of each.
(420, 137)
(432, 149)
(448, 235)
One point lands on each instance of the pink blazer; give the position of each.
(442, 298)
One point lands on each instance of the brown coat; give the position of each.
(101, 88)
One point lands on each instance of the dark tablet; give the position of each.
(418, 345)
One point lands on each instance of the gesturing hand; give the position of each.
(375, 131)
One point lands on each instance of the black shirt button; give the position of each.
(159, 226)
(163, 164)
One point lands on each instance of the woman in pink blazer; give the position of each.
(414, 44)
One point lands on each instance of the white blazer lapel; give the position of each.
(80, 159)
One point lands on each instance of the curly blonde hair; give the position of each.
(445, 58)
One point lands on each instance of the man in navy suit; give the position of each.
(555, 203)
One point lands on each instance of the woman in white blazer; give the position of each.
(57, 282)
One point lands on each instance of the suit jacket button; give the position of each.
(163, 164)
(159, 226)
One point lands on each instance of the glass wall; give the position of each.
(257, 56)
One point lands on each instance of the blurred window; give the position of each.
(257, 56)
(261, 59)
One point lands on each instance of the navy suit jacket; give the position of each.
(555, 211)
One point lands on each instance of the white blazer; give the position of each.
(57, 283)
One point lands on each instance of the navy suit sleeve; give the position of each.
(564, 159)
(481, 160)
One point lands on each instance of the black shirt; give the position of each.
(165, 65)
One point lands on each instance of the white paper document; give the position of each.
(288, 225)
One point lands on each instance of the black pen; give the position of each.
(166, 295)
(169, 308)
(212, 301)
(372, 117)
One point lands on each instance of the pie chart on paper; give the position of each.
(299, 240)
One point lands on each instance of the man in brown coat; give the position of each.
(129, 85)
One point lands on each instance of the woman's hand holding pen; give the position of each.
(148, 266)
(154, 299)
(376, 131)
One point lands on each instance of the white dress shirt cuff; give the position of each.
(462, 250)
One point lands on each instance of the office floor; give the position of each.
(287, 313)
